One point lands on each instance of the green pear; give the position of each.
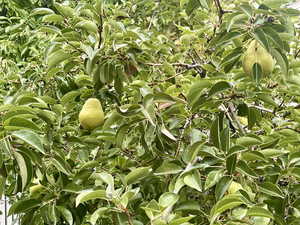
(91, 114)
(258, 54)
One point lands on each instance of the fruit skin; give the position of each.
(258, 54)
(91, 114)
(234, 187)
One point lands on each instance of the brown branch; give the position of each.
(100, 29)
(220, 10)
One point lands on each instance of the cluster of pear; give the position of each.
(91, 114)
(256, 53)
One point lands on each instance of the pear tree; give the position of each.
(142, 112)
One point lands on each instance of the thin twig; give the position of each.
(220, 10)
(262, 108)
(187, 122)
(100, 29)
(199, 68)
(297, 53)
(186, 65)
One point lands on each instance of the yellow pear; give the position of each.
(257, 54)
(234, 187)
(91, 114)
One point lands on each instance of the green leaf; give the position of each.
(41, 11)
(121, 134)
(228, 37)
(97, 214)
(25, 166)
(231, 163)
(19, 122)
(225, 139)
(213, 178)
(193, 180)
(64, 10)
(195, 93)
(228, 202)
(272, 153)
(274, 36)
(260, 36)
(242, 167)
(88, 195)
(247, 141)
(231, 59)
(168, 199)
(191, 152)
(66, 214)
(219, 87)
(69, 97)
(61, 165)
(254, 116)
(30, 138)
(192, 5)
(107, 178)
(181, 221)
(215, 133)
(259, 211)
(281, 59)
(167, 133)
(22, 206)
(222, 187)
(52, 214)
(89, 26)
(53, 18)
(247, 9)
(168, 168)
(137, 174)
(256, 72)
(57, 57)
(188, 206)
(271, 189)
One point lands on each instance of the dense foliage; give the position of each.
(188, 137)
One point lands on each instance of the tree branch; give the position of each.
(221, 11)
(186, 65)
(100, 29)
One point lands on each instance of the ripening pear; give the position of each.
(258, 54)
(91, 114)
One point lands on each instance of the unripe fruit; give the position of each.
(91, 115)
(258, 54)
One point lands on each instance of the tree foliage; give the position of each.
(188, 137)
